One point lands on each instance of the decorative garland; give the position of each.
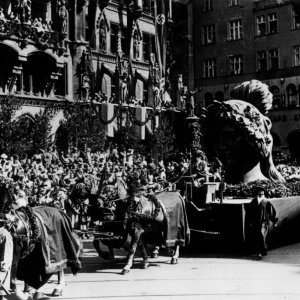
(35, 231)
(136, 121)
(272, 189)
(115, 115)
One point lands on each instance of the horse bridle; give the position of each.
(24, 237)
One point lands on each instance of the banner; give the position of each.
(107, 113)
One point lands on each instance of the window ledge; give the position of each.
(236, 40)
(266, 34)
(209, 44)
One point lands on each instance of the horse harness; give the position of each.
(26, 230)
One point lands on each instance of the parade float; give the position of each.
(238, 134)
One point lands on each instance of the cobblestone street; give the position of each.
(197, 276)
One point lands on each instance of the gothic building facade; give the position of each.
(54, 51)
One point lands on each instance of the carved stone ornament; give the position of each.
(28, 33)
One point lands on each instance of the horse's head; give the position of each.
(6, 200)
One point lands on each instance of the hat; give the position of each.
(62, 189)
(4, 156)
(47, 183)
(21, 194)
(44, 176)
(38, 156)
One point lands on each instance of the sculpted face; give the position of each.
(228, 144)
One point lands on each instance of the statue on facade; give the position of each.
(190, 103)
(102, 36)
(239, 134)
(2, 16)
(86, 86)
(84, 73)
(136, 45)
(124, 88)
(23, 10)
(63, 16)
(156, 81)
(181, 91)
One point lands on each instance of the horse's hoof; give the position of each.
(174, 261)
(38, 295)
(145, 266)
(124, 271)
(57, 293)
(154, 255)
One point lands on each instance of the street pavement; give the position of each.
(200, 274)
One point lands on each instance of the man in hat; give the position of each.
(44, 193)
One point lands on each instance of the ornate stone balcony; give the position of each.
(262, 4)
(41, 35)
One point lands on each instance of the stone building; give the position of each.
(53, 51)
(239, 40)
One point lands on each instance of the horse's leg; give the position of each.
(144, 254)
(14, 267)
(60, 284)
(155, 252)
(102, 254)
(111, 254)
(136, 235)
(175, 256)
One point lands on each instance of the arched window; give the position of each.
(276, 139)
(61, 86)
(293, 140)
(291, 95)
(37, 74)
(145, 92)
(276, 96)
(208, 99)
(41, 10)
(8, 60)
(139, 89)
(219, 96)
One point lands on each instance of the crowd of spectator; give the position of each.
(289, 172)
(49, 177)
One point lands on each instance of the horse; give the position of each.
(37, 252)
(156, 219)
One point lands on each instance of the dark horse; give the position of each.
(156, 219)
(43, 243)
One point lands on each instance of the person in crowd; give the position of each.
(259, 215)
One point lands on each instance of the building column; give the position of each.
(191, 75)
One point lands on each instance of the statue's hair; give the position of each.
(256, 93)
(253, 124)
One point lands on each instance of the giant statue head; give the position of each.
(238, 133)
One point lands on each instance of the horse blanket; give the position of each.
(177, 231)
(57, 249)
